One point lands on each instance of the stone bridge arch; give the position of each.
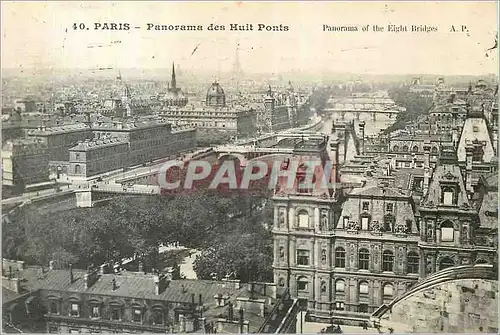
(230, 156)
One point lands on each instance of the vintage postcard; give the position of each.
(249, 167)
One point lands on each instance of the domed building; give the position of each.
(216, 96)
(174, 96)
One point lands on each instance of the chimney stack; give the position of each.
(160, 283)
(71, 278)
(241, 321)
(469, 155)
(230, 312)
(427, 173)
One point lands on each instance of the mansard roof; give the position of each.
(378, 192)
(446, 174)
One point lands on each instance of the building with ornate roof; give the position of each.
(174, 96)
(215, 96)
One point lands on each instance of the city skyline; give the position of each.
(53, 44)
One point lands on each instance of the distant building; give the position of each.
(59, 139)
(216, 122)
(24, 162)
(123, 144)
(174, 96)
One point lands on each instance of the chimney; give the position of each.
(427, 173)
(252, 290)
(160, 283)
(104, 268)
(170, 274)
(113, 282)
(241, 321)
(469, 154)
(71, 278)
(230, 311)
(362, 131)
(91, 277)
(140, 267)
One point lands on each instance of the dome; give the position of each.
(216, 96)
(215, 90)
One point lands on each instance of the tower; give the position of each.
(237, 73)
(173, 81)
(269, 106)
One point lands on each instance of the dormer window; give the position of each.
(75, 310)
(137, 315)
(344, 222)
(365, 221)
(448, 196)
(389, 208)
(95, 311)
(54, 306)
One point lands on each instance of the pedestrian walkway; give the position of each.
(187, 267)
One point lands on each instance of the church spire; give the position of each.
(173, 82)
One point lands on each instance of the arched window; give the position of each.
(434, 150)
(415, 148)
(446, 262)
(303, 219)
(413, 262)
(302, 283)
(447, 231)
(387, 261)
(339, 286)
(364, 259)
(395, 148)
(281, 282)
(405, 148)
(340, 257)
(77, 169)
(388, 291)
(363, 287)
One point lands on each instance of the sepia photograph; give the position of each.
(249, 167)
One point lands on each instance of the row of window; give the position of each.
(412, 260)
(363, 287)
(115, 312)
(415, 148)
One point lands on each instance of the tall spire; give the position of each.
(173, 82)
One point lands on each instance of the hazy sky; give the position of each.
(40, 35)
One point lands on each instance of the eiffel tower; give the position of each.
(237, 72)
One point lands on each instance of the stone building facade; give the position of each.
(24, 162)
